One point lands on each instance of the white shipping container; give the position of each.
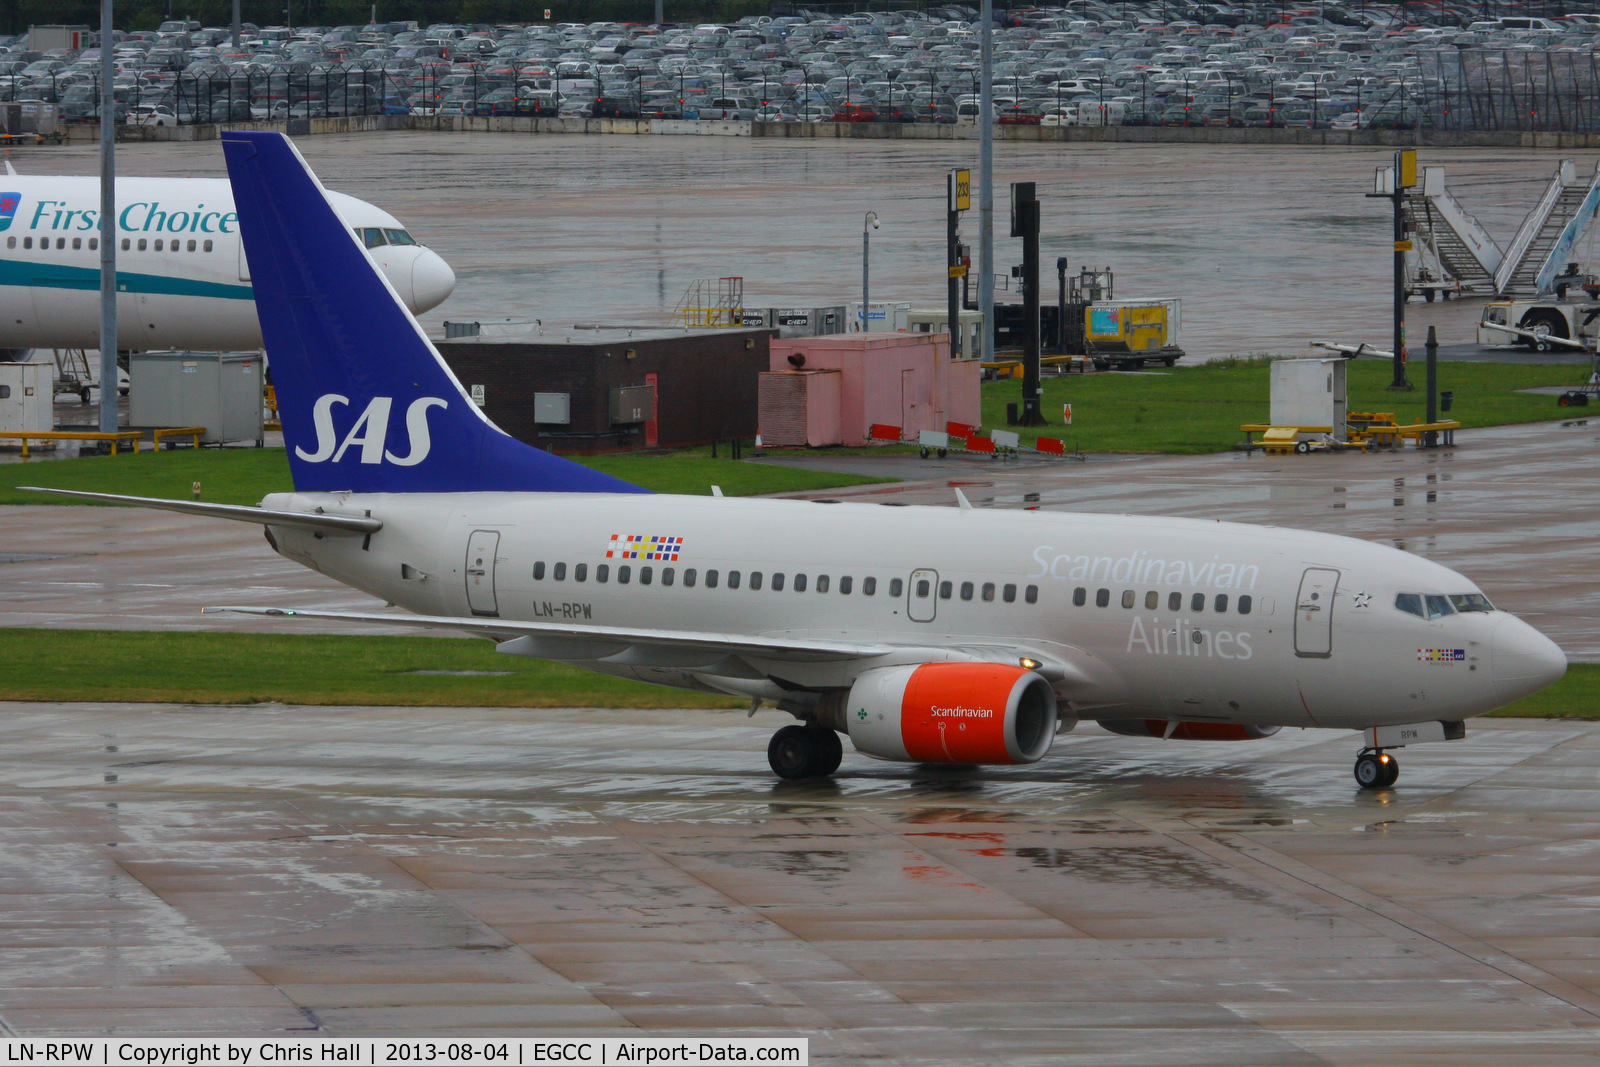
(26, 397)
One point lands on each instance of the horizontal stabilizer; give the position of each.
(352, 524)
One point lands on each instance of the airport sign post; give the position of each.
(1392, 183)
(958, 199)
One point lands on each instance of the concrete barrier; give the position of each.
(870, 131)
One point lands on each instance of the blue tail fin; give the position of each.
(368, 406)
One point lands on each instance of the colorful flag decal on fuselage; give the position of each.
(641, 546)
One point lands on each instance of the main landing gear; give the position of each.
(808, 751)
(1376, 769)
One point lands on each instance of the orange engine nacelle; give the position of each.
(1188, 731)
(952, 713)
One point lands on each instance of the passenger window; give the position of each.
(645, 575)
(142, 245)
(94, 243)
(822, 583)
(777, 582)
(27, 242)
(158, 244)
(1102, 598)
(1152, 600)
(844, 585)
(61, 244)
(1031, 594)
(1197, 602)
(1174, 601)
(1127, 598)
(733, 580)
(11, 242)
(799, 583)
(711, 579)
(580, 572)
(869, 587)
(896, 587)
(945, 589)
(77, 243)
(624, 574)
(124, 244)
(1080, 597)
(1220, 604)
(924, 588)
(688, 577)
(666, 575)
(206, 247)
(1008, 593)
(1438, 606)
(602, 571)
(755, 579)
(988, 591)
(191, 244)
(538, 571)
(560, 574)
(1245, 603)
(1410, 603)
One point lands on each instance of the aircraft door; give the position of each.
(481, 547)
(922, 596)
(1313, 613)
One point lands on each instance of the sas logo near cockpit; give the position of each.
(9, 202)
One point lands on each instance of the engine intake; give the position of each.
(1188, 731)
(952, 713)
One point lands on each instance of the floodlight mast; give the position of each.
(986, 178)
(108, 226)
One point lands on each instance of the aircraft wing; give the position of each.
(566, 640)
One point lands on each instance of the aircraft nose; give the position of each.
(431, 281)
(1523, 660)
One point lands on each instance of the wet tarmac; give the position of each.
(1269, 247)
(409, 871)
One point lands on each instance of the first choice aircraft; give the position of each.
(182, 276)
(926, 634)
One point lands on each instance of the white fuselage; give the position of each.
(182, 278)
(1271, 626)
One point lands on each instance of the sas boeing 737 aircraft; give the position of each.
(181, 269)
(936, 635)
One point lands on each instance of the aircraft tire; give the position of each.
(794, 752)
(830, 752)
(1374, 771)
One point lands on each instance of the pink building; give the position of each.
(833, 389)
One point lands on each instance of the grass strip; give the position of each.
(242, 668)
(1193, 410)
(245, 475)
(238, 668)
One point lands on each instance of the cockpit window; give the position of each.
(1410, 603)
(373, 237)
(1471, 602)
(399, 237)
(1438, 606)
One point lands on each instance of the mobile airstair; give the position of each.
(1545, 241)
(1451, 242)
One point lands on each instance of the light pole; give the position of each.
(868, 224)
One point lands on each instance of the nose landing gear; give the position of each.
(808, 751)
(1376, 769)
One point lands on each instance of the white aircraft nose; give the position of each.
(1523, 660)
(431, 281)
